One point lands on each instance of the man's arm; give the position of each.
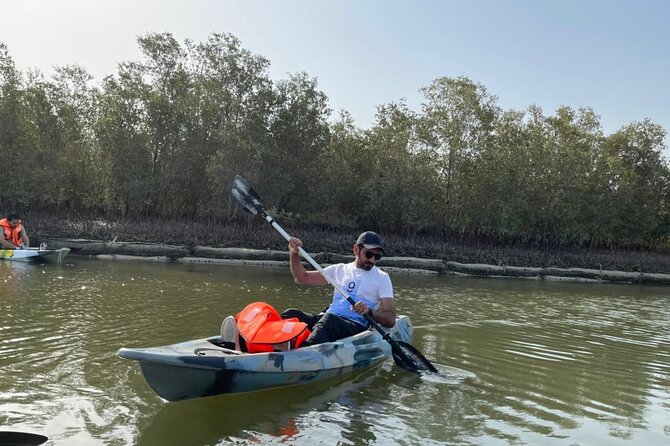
(5, 244)
(300, 275)
(385, 314)
(24, 237)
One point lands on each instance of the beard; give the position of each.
(363, 263)
(367, 266)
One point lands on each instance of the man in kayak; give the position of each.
(369, 286)
(13, 233)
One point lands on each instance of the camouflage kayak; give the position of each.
(205, 367)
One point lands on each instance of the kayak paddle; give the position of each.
(404, 354)
(21, 439)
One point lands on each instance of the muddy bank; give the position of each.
(412, 265)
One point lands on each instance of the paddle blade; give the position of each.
(410, 359)
(245, 196)
(21, 439)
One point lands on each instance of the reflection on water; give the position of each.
(255, 417)
(526, 362)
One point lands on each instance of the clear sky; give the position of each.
(611, 55)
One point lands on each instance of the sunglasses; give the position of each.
(368, 255)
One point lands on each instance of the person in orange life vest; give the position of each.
(369, 286)
(14, 234)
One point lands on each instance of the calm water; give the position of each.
(553, 363)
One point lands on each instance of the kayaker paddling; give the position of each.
(368, 285)
(211, 366)
(14, 235)
(404, 354)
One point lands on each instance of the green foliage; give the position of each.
(163, 136)
(456, 126)
(299, 132)
(12, 144)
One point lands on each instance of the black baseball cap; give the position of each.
(371, 240)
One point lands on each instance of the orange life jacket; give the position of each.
(11, 234)
(264, 330)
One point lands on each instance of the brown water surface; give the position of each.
(553, 363)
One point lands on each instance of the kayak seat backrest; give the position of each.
(263, 330)
(230, 334)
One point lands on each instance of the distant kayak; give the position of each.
(207, 367)
(34, 255)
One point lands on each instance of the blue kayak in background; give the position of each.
(34, 255)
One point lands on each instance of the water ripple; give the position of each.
(551, 363)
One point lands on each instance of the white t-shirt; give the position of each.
(368, 286)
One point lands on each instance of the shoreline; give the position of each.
(407, 265)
